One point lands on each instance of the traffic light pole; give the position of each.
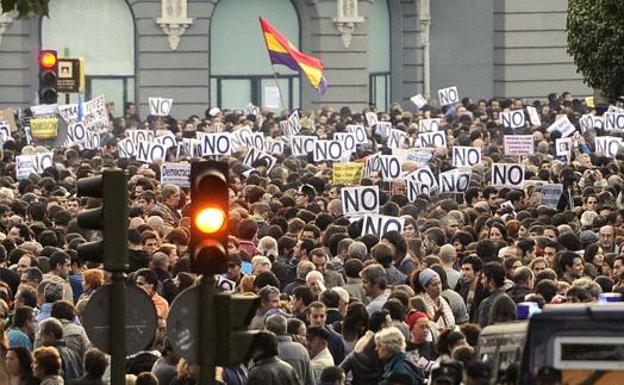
(118, 329)
(207, 330)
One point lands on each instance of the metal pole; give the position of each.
(118, 329)
(424, 16)
(207, 332)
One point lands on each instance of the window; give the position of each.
(379, 55)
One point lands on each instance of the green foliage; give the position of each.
(596, 41)
(26, 8)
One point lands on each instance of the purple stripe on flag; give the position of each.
(285, 59)
(323, 86)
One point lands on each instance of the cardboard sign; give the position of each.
(347, 139)
(255, 155)
(7, 116)
(432, 139)
(465, 156)
(562, 125)
(390, 167)
(425, 176)
(78, 135)
(216, 144)
(373, 163)
(590, 101)
(126, 148)
(613, 121)
(347, 173)
(453, 181)
(563, 146)
(32, 164)
(448, 96)
(396, 138)
(508, 175)
(331, 150)
(160, 106)
(245, 138)
(429, 125)
(359, 200)
(178, 174)
(383, 129)
(381, 224)
(419, 101)
(150, 152)
(141, 135)
(518, 144)
(534, 117)
(607, 145)
(45, 110)
(360, 133)
(167, 139)
(292, 125)
(512, 119)
(551, 193)
(44, 129)
(302, 145)
(414, 188)
(371, 118)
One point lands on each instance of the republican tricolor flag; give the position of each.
(281, 51)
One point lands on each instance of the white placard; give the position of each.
(508, 175)
(425, 176)
(383, 129)
(126, 148)
(448, 96)
(5, 130)
(512, 119)
(419, 101)
(360, 133)
(167, 139)
(613, 121)
(373, 163)
(25, 165)
(347, 139)
(245, 138)
(272, 98)
(141, 135)
(381, 224)
(360, 200)
(563, 146)
(396, 138)
(429, 125)
(607, 145)
(254, 155)
(453, 181)
(414, 187)
(551, 193)
(331, 150)
(432, 139)
(273, 146)
(371, 118)
(150, 152)
(390, 167)
(562, 125)
(178, 174)
(215, 144)
(291, 126)
(518, 145)
(302, 145)
(534, 117)
(465, 156)
(160, 106)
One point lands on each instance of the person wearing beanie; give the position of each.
(438, 309)
(420, 346)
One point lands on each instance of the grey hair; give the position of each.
(303, 268)
(392, 338)
(376, 275)
(277, 324)
(358, 250)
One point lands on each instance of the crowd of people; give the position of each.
(336, 306)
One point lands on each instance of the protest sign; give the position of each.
(534, 117)
(360, 133)
(44, 128)
(562, 125)
(414, 187)
(167, 139)
(563, 146)
(160, 106)
(5, 130)
(94, 113)
(551, 193)
(273, 146)
(245, 138)
(465, 156)
(141, 135)
(419, 101)
(613, 108)
(429, 125)
(292, 125)
(448, 96)
(250, 109)
(432, 139)
(347, 173)
(383, 129)
(453, 181)
(396, 138)
(331, 150)
(590, 101)
(7, 116)
(256, 157)
(302, 145)
(507, 175)
(425, 176)
(347, 139)
(512, 119)
(390, 167)
(373, 163)
(150, 152)
(613, 121)
(215, 144)
(378, 225)
(189, 148)
(359, 200)
(25, 165)
(126, 148)
(607, 145)
(371, 118)
(518, 144)
(45, 110)
(178, 174)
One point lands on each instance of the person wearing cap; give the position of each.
(390, 348)
(234, 273)
(421, 347)
(321, 357)
(430, 286)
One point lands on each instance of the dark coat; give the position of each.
(272, 371)
(480, 293)
(401, 364)
(518, 293)
(87, 380)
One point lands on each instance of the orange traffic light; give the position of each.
(47, 59)
(48, 77)
(210, 220)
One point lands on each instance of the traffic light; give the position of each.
(209, 217)
(233, 340)
(111, 218)
(48, 77)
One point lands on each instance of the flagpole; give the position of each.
(279, 89)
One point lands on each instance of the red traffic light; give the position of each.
(47, 59)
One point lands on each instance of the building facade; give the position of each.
(205, 53)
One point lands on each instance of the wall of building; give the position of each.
(18, 63)
(530, 56)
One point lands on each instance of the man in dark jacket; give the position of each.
(524, 280)
(267, 368)
(493, 279)
(469, 285)
(95, 364)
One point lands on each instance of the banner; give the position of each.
(44, 129)
(551, 193)
(518, 144)
(348, 174)
(178, 174)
